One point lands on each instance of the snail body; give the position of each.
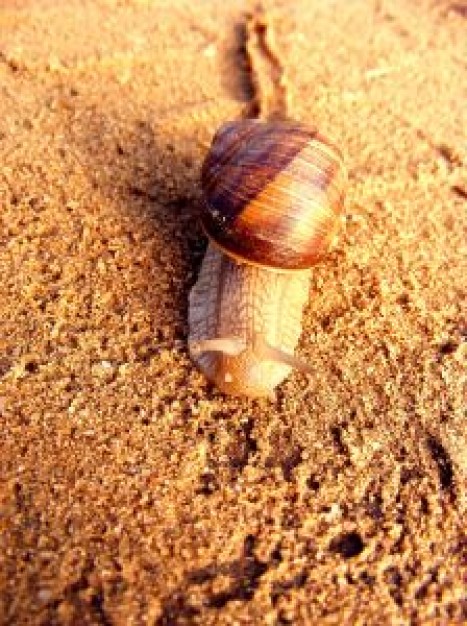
(273, 197)
(258, 314)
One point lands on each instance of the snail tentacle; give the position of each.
(271, 353)
(231, 346)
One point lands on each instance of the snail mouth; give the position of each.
(234, 346)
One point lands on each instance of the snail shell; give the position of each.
(273, 198)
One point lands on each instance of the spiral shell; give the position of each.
(273, 193)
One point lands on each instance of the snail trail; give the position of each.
(266, 75)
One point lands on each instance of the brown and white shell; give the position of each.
(273, 193)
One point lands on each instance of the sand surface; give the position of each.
(131, 492)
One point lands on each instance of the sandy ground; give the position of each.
(131, 491)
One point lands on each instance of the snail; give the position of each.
(273, 198)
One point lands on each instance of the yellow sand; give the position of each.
(131, 492)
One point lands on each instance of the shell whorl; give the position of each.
(273, 193)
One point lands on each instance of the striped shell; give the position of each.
(273, 193)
